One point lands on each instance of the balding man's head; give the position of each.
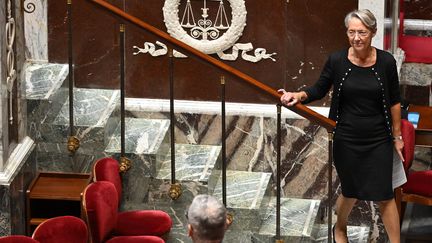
(207, 219)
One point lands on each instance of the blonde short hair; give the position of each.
(365, 16)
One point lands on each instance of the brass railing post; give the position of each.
(176, 189)
(223, 125)
(125, 163)
(73, 142)
(230, 214)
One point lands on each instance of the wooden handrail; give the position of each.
(298, 108)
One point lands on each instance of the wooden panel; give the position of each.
(59, 186)
(54, 194)
(302, 33)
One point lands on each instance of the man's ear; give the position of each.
(190, 230)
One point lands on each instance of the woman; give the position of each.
(366, 107)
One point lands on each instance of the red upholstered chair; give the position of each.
(107, 225)
(418, 188)
(17, 239)
(107, 169)
(62, 229)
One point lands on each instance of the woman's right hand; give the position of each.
(291, 98)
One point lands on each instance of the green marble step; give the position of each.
(298, 217)
(92, 107)
(43, 80)
(142, 136)
(45, 97)
(247, 197)
(194, 170)
(192, 162)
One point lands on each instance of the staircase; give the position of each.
(250, 192)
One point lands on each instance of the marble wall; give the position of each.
(36, 30)
(17, 167)
(13, 189)
(12, 130)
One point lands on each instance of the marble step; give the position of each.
(298, 217)
(92, 111)
(247, 197)
(196, 170)
(92, 107)
(44, 92)
(62, 162)
(142, 136)
(193, 163)
(356, 234)
(146, 142)
(43, 80)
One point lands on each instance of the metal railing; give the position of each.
(175, 190)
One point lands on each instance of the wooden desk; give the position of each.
(54, 194)
(423, 132)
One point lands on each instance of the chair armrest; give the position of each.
(143, 222)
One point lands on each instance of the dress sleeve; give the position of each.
(322, 85)
(393, 80)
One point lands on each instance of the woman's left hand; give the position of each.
(399, 144)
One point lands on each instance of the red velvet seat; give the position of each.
(62, 229)
(17, 239)
(100, 203)
(418, 188)
(107, 169)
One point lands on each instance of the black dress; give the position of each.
(363, 150)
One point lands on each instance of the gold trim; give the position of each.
(125, 164)
(69, 2)
(73, 144)
(175, 191)
(222, 79)
(122, 28)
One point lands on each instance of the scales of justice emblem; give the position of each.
(211, 36)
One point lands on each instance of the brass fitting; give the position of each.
(125, 164)
(73, 144)
(175, 191)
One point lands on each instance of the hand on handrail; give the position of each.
(291, 98)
